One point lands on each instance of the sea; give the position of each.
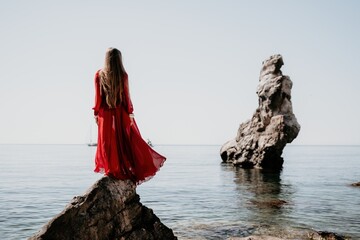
(194, 193)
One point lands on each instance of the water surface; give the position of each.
(193, 194)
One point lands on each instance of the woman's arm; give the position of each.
(129, 106)
(98, 98)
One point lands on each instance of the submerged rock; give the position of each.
(110, 209)
(275, 204)
(256, 238)
(260, 141)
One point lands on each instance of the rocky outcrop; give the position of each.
(260, 141)
(110, 209)
(323, 235)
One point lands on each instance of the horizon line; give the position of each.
(177, 144)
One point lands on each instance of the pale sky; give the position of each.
(193, 66)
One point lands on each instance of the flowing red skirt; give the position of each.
(121, 151)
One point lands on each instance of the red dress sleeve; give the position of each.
(128, 104)
(98, 98)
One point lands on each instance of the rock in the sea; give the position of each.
(260, 141)
(356, 184)
(110, 209)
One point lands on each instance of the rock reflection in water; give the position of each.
(266, 199)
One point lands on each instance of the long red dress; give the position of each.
(121, 152)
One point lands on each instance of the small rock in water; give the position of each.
(356, 184)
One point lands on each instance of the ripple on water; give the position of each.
(193, 194)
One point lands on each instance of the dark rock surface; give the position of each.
(356, 184)
(313, 235)
(110, 209)
(323, 235)
(260, 141)
(256, 238)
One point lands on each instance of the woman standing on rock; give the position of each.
(121, 152)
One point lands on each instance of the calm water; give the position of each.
(193, 194)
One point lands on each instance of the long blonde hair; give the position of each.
(111, 77)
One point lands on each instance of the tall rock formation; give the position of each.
(109, 210)
(260, 141)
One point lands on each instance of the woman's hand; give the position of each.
(131, 119)
(96, 120)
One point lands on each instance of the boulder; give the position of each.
(110, 209)
(260, 141)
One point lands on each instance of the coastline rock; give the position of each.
(110, 209)
(313, 235)
(323, 235)
(260, 141)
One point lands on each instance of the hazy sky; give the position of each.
(193, 66)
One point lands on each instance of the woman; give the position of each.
(121, 152)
